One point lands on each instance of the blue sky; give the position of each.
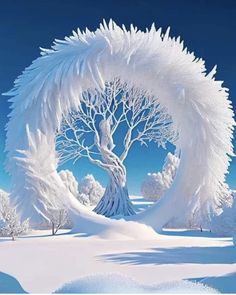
(207, 27)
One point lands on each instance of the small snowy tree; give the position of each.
(155, 185)
(90, 191)
(10, 225)
(58, 218)
(89, 132)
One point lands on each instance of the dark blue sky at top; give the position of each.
(207, 27)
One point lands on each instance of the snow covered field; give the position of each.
(42, 263)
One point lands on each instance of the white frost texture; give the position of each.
(151, 60)
(90, 191)
(117, 283)
(225, 223)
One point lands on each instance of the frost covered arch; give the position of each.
(150, 60)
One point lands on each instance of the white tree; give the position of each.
(58, 218)
(90, 191)
(56, 213)
(10, 224)
(155, 185)
(89, 132)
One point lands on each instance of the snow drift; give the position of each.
(117, 283)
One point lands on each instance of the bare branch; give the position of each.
(81, 133)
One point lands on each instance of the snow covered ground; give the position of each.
(41, 263)
(116, 283)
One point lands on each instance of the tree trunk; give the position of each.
(115, 201)
(53, 229)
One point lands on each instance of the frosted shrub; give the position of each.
(10, 224)
(155, 185)
(84, 199)
(90, 191)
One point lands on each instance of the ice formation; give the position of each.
(150, 60)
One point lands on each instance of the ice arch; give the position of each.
(52, 85)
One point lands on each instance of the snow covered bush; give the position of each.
(225, 223)
(70, 182)
(90, 191)
(10, 225)
(155, 185)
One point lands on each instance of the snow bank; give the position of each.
(117, 283)
(9, 284)
(90, 191)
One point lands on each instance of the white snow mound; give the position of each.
(118, 283)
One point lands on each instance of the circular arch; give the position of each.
(151, 60)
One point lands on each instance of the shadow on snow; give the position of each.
(224, 284)
(189, 233)
(179, 255)
(9, 284)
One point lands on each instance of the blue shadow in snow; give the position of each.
(179, 255)
(9, 284)
(224, 284)
(189, 233)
